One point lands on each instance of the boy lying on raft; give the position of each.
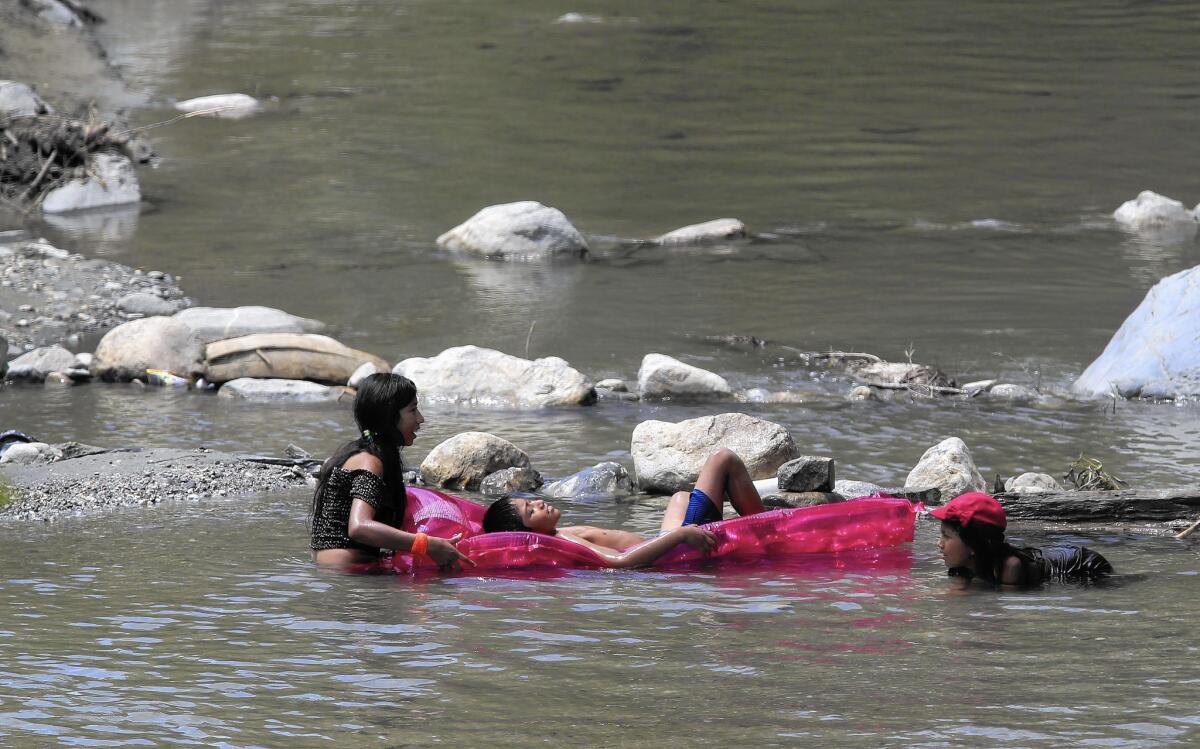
(723, 475)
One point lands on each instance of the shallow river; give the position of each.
(922, 177)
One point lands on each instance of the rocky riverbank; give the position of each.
(96, 479)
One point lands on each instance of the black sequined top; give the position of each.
(331, 520)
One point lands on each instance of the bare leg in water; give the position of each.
(723, 475)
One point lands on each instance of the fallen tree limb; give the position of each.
(1102, 506)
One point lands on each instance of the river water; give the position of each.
(922, 177)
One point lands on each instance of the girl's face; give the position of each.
(955, 553)
(537, 516)
(410, 421)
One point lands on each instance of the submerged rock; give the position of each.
(1154, 353)
(269, 390)
(663, 377)
(608, 479)
(1008, 391)
(709, 231)
(948, 466)
(523, 230)
(469, 374)
(128, 350)
(464, 460)
(668, 457)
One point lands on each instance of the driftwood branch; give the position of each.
(1100, 506)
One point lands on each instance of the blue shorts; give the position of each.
(701, 510)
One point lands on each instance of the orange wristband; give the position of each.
(420, 545)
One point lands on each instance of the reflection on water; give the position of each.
(234, 639)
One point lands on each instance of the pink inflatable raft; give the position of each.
(853, 525)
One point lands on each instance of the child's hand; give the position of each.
(448, 558)
(698, 538)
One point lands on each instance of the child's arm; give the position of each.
(640, 556)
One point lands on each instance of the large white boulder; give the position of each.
(465, 460)
(523, 230)
(35, 365)
(469, 374)
(270, 390)
(1156, 351)
(128, 350)
(111, 180)
(228, 106)
(19, 100)
(709, 231)
(215, 323)
(1150, 211)
(949, 467)
(661, 376)
(668, 457)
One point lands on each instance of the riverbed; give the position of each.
(918, 179)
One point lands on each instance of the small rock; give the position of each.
(664, 377)
(948, 466)
(228, 106)
(979, 386)
(807, 473)
(509, 481)
(146, 304)
(1151, 211)
(853, 489)
(29, 453)
(464, 460)
(269, 390)
(709, 231)
(37, 364)
(613, 384)
(609, 479)
(111, 180)
(521, 230)
(668, 457)
(19, 100)
(861, 393)
(1033, 483)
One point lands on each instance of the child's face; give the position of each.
(410, 421)
(955, 553)
(537, 515)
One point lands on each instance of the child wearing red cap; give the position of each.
(972, 545)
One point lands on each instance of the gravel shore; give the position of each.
(137, 477)
(48, 295)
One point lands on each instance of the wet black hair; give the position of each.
(381, 397)
(502, 515)
(991, 551)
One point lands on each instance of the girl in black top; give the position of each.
(359, 502)
(973, 546)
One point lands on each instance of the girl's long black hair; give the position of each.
(991, 551)
(381, 397)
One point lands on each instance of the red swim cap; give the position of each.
(975, 506)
